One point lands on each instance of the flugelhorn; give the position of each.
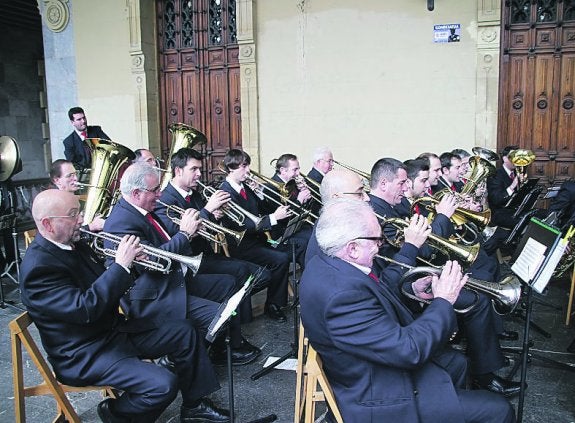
(164, 258)
(208, 229)
(467, 254)
(231, 209)
(461, 215)
(505, 295)
(521, 158)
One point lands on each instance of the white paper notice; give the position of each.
(289, 364)
(529, 261)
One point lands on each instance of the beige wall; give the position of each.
(365, 78)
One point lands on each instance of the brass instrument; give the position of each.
(232, 210)
(209, 230)
(468, 254)
(183, 136)
(485, 154)
(505, 295)
(365, 177)
(107, 158)
(481, 169)
(164, 258)
(461, 215)
(311, 185)
(521, 158)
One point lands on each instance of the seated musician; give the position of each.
(73, 300)
(64, 177)
(464, 156)
(183, 192)
(500, 188)
(254, 247)
(382, 363)
(451, 173)
(288, 175)
(388, 187)
(434, 164)
(563, 204)
(322, 164)
(178, 293)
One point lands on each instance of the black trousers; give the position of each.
(148, 388)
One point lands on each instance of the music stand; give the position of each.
(225, 312)
(293, 225)
(8, 221)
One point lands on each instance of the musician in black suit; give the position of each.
(564, 204)
(74, 148)
(383, 364)
(387, 197)
(322, 164)
(74, 301)
(176, 294)
(451, 172)
(184, 192)
(255, 247)
(288, 175)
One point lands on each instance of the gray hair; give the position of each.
(320, 152)
(342, 220)
(135, 178)
(385, 168)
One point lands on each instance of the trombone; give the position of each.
(208, 230)
(232, 210)
(164, 258)
(311, 185)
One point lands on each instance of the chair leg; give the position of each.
(570, 302)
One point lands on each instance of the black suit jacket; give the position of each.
(381, 363)
(156, 294)
(74, 150)
(315, 175)
(73, 301)
(564, 203)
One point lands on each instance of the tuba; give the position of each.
(183, 136)
(107, 158)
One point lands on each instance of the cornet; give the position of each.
(164, 258)
(232, 210)
(208, 230)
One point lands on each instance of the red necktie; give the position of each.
(244, 194)
(372, 276)
(429, 191)
(188, 198)
(452, 187)
(416, 209)
(157, 226)
(84, 134)
(512, 175)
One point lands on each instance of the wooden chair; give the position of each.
(20, 335)
(570, 302)
(29, 237)
(309, 374)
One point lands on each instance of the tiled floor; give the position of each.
(549, 398)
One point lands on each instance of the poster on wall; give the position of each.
(447, 33)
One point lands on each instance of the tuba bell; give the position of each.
(183, 136)
(481, 169)
(107, 158)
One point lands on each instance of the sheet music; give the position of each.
(530, 259)
(231, 306)
(545, 275)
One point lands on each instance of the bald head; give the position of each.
(341, 183)
(57, 215)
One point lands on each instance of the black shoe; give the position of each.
(166, 363)
(106, 415)
(508, 335)
(274, 311)
(244, 354)
(498, 385)
(204, 413)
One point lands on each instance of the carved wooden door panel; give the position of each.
(537, 84)
(199, 73)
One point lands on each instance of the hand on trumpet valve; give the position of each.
(449, 283)
(417, 231)
(217, 200)
(190, 221)
(282, 212)
(218, 214)
(422, 288)
(128, 250)
(447, 205)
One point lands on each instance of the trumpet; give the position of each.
(208, 230)
(505, 295)
(468, 254)
(163, 258)
(232, 210)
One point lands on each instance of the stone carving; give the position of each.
(56, 14)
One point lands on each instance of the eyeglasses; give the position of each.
(327, 161)
(379, 239)
(73, 215)
(155, 190)
(357, 194)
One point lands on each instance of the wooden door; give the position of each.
(537, 84)
(200, 74)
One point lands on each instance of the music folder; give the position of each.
(292, 227)
(517, 198)
(538, 254)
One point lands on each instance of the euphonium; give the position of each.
(468, 254)
(107, 158)
(164, 258)
(183, 136)
(481, 169)
(485, 154)
(209, 229)
(521, 158)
